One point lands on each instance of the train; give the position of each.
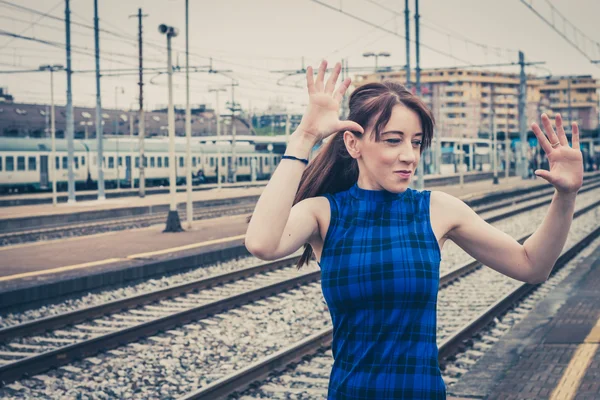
(25, 162)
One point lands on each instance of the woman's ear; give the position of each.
(352, 144)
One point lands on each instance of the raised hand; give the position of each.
(322, 115)
(566, 163)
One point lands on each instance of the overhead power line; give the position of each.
(448, 32)
(569, 31)
(443, 53)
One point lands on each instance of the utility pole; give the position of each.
(173, 222)
(461, 178)
(218, 117)
(99, 134)
(522, 162)
(507, 147)
(233, 164)
(569, 102)
(70, 122)
(407, 29)
(142, 121)
(52, 68)
(117, 132)
(131, 118)
(188, 123)
(493, 128)
(287, 126)
(421, 167)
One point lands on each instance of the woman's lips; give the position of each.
(404, 173)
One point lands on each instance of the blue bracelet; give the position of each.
(305, 161)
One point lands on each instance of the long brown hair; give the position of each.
(370, 106)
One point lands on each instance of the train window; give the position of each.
(10, 163)
(181, 161)
(223, 162)
(266, 160)
(246, 161)
(159, 162)
(240, 162)
(137, 162)
(193, 161)
(166, 162)
(65, 163)
(0, 163)
(145, 161)
(31, 164)
(212, 161)
(111, 162)
(104, 162)
(120, 161)
(57, 163)
(151, 162)
(82, 160)
(21, 163)
(76, 162)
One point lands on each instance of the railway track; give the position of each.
(144, 315)
(302, 370)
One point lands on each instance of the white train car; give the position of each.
(25, 164)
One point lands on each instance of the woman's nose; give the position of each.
(407, 156)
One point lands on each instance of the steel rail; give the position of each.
(63, 355)
(80, 315)
(240, 380)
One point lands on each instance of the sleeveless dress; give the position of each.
(380, 276)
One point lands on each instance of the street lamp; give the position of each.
(380, 54)
(117, 130)
(52, 68)
(173, 222)
(218, 117)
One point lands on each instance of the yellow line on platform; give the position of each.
(60, 269)
(187, 247)
(571, 379)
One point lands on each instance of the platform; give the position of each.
(40, 263)
(551, 354)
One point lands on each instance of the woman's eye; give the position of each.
(417, 143)
(393, 140)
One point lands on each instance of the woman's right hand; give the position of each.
(321, 118)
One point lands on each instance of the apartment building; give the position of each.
(462, 99)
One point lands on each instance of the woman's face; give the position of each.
(391, 163)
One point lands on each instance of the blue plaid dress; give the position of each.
(380, 276)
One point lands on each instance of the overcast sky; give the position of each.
(255, 38)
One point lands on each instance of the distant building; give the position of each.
(33, 120)
(460, 99)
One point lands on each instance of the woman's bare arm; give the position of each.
(533, 261)
(276, 229)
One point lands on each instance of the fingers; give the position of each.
(310, 81)
(339, 93)
(333, 78)
(542, 173)
(549, 130)
(575, 136)
(542, 140)
(321, 76)
(562, 137)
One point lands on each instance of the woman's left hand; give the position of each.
(566, 163)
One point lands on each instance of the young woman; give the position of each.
(378, 242)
